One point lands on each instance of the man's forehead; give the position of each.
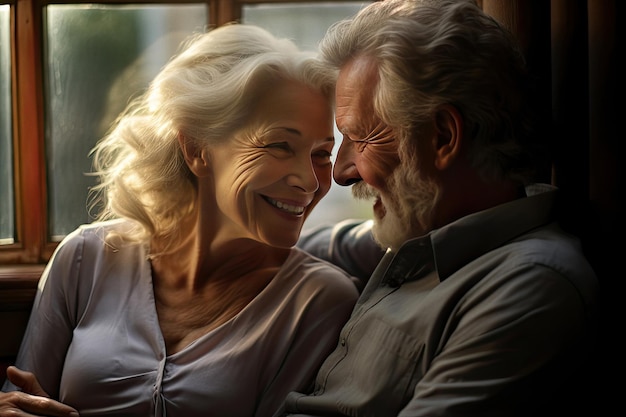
(359, 73)
(356, 82)
(355, 92)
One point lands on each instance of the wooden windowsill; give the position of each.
(20, 273)
(18, 284)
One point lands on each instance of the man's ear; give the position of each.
(197, 158)
(449, 135)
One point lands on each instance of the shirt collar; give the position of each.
(413, 260)
(451, 247)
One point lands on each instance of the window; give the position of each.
(78, 65)
(96, 58)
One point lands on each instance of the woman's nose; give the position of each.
(345, 171)
(304, 177)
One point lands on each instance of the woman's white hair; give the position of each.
(204, 93)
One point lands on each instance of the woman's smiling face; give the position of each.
(270, 174)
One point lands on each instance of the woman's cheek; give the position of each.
(324, 178)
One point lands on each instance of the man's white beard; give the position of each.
(391, 231)
(409, 207)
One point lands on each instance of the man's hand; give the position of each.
(32, 400)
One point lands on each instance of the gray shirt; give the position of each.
(457, 321)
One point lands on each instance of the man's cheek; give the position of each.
(382, 159)
(374, 171)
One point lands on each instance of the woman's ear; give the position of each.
(197, 158)
(449, 135)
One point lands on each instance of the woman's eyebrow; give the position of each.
(298, 133)
(287, 129)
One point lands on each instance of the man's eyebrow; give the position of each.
(352, 135)
(351, 130)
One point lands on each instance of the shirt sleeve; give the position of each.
(52, 319)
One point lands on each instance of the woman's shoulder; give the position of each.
(96, 238)
(102, 228)
(311, 270)
(89, 251)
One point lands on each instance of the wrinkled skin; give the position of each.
(273, 172)
(368, 158)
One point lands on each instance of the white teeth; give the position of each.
(286, 207)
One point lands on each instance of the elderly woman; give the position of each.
(187, 297)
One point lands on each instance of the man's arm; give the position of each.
(348, 244)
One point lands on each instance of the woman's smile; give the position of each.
(297, 210)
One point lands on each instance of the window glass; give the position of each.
(306, 24)
(96, 58)
(99, 56)
(7, 210)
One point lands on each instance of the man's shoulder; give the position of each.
(550, 248)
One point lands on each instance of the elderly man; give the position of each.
(481, 299)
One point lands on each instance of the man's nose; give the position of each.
(345, 171)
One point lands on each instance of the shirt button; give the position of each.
(343, 341)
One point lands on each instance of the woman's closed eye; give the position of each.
(279, 147)
(322, 157)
